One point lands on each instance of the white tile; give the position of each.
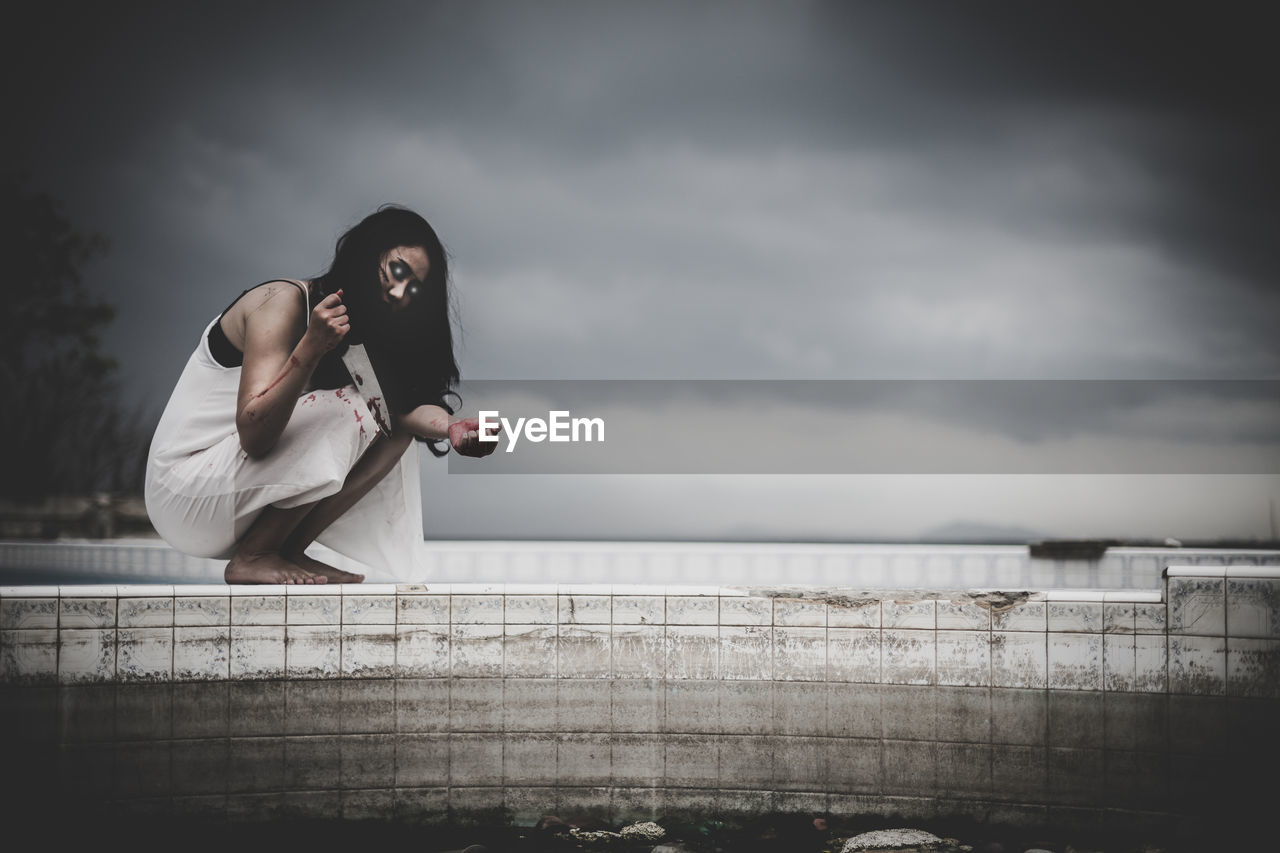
(1075, 661)
(422, 651)
(191, 590)
(1136, 596)
(529, 651)
(746, 611)
(258, 609)
(86, 655)
(87, 591)
(583, 609)
(365, 609)
(201, 610)
(258, 589)
(692, 610)
(145, 590)
(152, 612)
(422, 609)
(314, 590)
(476, 651)
(639, 609)
(908, 656)
(643, 589)
(530, 609)
(639, 651)
(1253, 667)
(202, 653)
(1151, 663)
(687, 590)
(529, 589)
(1052, 595)
(854, 655)
(1253, 607)
(313, 610)
(144, 654)
(746, 652)
(1196, 571)
(920, 615)
(799, 613)
(84, 612)
(1197, 665)
(963, 615)
(1018, 659)
(476, 609)
(692, 651)
(1024, 616)
(33, 591)
(425, 589)
(313, 651)
(369, 589)
(799, 654)
(583, 651)
(1119, 663)
(257, 651)
(29, 656)
(1118, 617)
(369, 650)
(1150, 618)
(1075, 616)
(964, 658)
(584, 589)
(1253, 571)
(28, 613)
(1197, 606)
(845, 612)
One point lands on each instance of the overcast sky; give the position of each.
(654, 190)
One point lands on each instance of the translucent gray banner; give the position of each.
(877, 426)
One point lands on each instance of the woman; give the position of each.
(265, 446)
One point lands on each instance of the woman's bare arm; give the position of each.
(278, 363)
(436, 424)
(429, 422)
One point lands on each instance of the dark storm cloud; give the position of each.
(692, 190)
(1189, 93)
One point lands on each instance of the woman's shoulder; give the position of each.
(276, 297)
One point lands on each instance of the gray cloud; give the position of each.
(676, 190)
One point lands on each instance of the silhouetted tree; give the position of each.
(64, 429)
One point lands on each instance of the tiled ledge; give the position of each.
(1208, 633)
(1222, 571)
(145, 605)
(726, 563)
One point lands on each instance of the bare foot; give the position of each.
(315, 567)
(268, 568)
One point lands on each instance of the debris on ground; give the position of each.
(894, 839)
(644, 831)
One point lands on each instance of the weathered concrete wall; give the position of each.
(430, 702)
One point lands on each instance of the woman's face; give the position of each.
(401, 275)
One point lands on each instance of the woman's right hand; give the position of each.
(329, 322)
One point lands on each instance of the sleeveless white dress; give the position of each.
(203, 491)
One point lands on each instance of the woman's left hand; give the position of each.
(464, 436)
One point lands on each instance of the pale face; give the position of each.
(401, 274)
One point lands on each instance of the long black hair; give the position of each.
(411, 349)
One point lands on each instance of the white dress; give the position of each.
(203, 491)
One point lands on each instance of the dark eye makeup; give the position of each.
(399, 270)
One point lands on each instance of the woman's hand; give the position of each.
(464, 435)
(329, 323)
